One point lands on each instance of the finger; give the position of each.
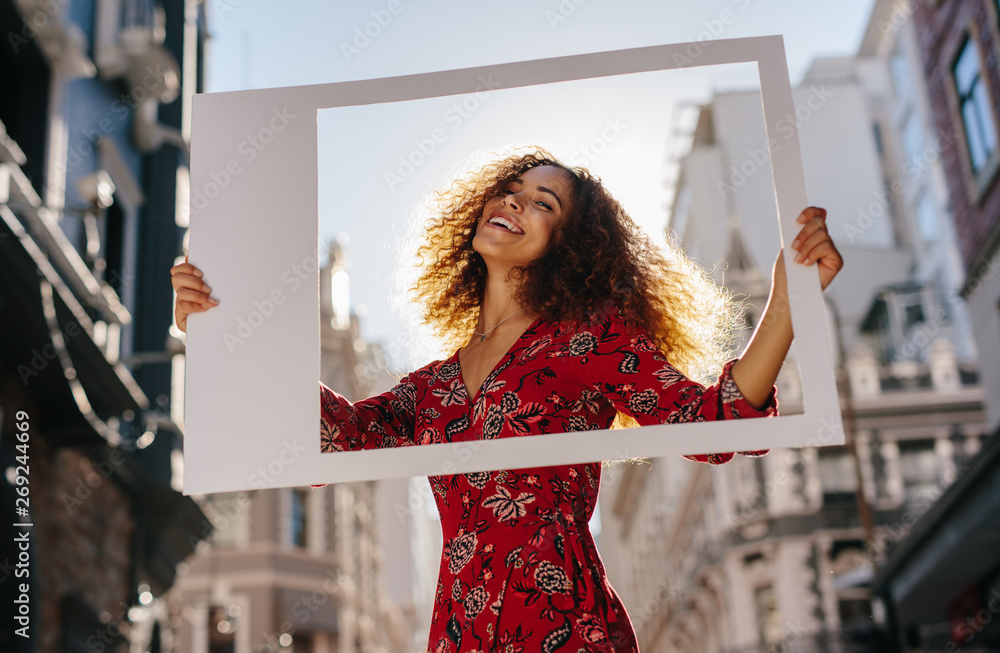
(188, 281)
(806, 232)
(813, 219)
(826, 253)
(806, 249)
(185, 268)
(186, 308)
(811, 212)
(196, 296)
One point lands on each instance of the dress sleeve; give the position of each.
(636, 377)
(382, 421)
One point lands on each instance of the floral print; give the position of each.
(507, 508)
(519, 570)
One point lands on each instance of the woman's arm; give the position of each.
(757, 369)
(383, 421)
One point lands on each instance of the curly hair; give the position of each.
(599, 255)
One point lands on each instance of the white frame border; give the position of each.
(251, 413)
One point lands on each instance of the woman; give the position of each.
(569, 317)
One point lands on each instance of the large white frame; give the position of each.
(252, 401)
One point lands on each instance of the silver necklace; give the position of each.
(482, 336)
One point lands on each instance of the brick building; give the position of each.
(960, 43)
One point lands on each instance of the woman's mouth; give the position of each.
(500, 220)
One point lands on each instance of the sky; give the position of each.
(629, 130)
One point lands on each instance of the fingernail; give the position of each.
(197, 273)
(213, 300)
(207, 288)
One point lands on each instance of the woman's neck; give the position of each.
(499, 301)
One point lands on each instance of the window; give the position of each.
(918, 465)
(877, 135)
(914, 315)
(974, 106)
(836, 471)
(768, 616)
(899, 70)
(221, 635)
(913, 141)
(854, 612)
(927, 217)
(227, 514)
(300, 522)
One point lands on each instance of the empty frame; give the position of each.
(252, 409)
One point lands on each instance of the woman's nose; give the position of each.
(512, 200)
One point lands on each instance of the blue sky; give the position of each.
(621, 128)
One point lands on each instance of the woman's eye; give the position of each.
(544, 206)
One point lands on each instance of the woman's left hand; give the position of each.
(813, 244)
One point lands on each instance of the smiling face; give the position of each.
(518, 225)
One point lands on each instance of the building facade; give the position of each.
(939, 589)
(960, 47)
(779, 553)
(92, 145)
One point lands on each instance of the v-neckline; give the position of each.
(461, 374)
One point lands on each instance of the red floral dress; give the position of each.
(519, 570)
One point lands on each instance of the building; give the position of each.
(939, 589)
(778, 553)
(960, 45)
(92, 147)
(312, 570)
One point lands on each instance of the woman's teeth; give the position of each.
(506, 224)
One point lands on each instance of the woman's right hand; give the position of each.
(192, 292)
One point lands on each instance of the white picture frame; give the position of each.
(252, 408)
